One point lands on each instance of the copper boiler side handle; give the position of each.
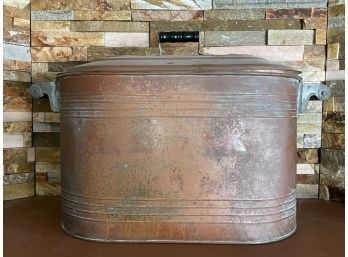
(50, 89)
(308, 89)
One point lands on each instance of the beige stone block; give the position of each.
(103, 15)
(313, 76)
(17, 191)
(172, 4)
(19, 23)
(153, 15)
(124, 39)
(16, 76)
(16, 140)
(320, 36)
(14, 116)
(237, 38)
(315, 23)
(335, 75)
(314, 53)
(50, 26)
(109, 26)
(337, 10)
(307, 169)
(7, 23)
(306, 65)
(290, 37)
(15, 65)
(273, 53)
(10, 11)
(333, 51)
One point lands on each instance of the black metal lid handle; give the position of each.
(178, 36)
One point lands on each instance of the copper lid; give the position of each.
(179, 65)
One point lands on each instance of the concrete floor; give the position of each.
(32, 228)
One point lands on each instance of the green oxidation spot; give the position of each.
(120, 166)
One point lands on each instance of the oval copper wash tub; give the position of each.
(178, 149)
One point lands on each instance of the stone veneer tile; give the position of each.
(307, 65)
(246, 14)
(333, 141)
(17, 127)
(238, 4)
(333, 51)
(337, 87)
(274, 53)
(115, 26)
(313, 76)
(18, 191)
(18, 155)
(332, 65)
(46, 139)
(335, 11)
(47, 154)
(228, 25)
(290, 37)
(307, 191)
(67, 38)
(103, 15)
(10, 11)
(315, 23)
(58, 54)
(19, 23)
(50, 26)
(52, 15)
(153, 15)
(16, 52)
(15, 168)
(13, 116)
(16, 76)
(42, 167)
(230, 38)
(333, 122)
(16, 3)
(335, 35)
(334, 22)
(124, 39)
(314, 53)
(18, 178)
(320, 37)
(16, 65)
(15, 140)
(307, 169)
(172, 4)
(16, 37)
(335, 75)
(99, 5)
(334, 104)
(46, 127)
(307, 156)
(296, 13)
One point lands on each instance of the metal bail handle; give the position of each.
(50, 89)
(178, 36)
(309, 89)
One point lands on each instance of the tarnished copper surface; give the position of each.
(179, 157)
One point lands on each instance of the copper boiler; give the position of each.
(179, 149)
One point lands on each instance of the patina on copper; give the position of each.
(179, 149)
